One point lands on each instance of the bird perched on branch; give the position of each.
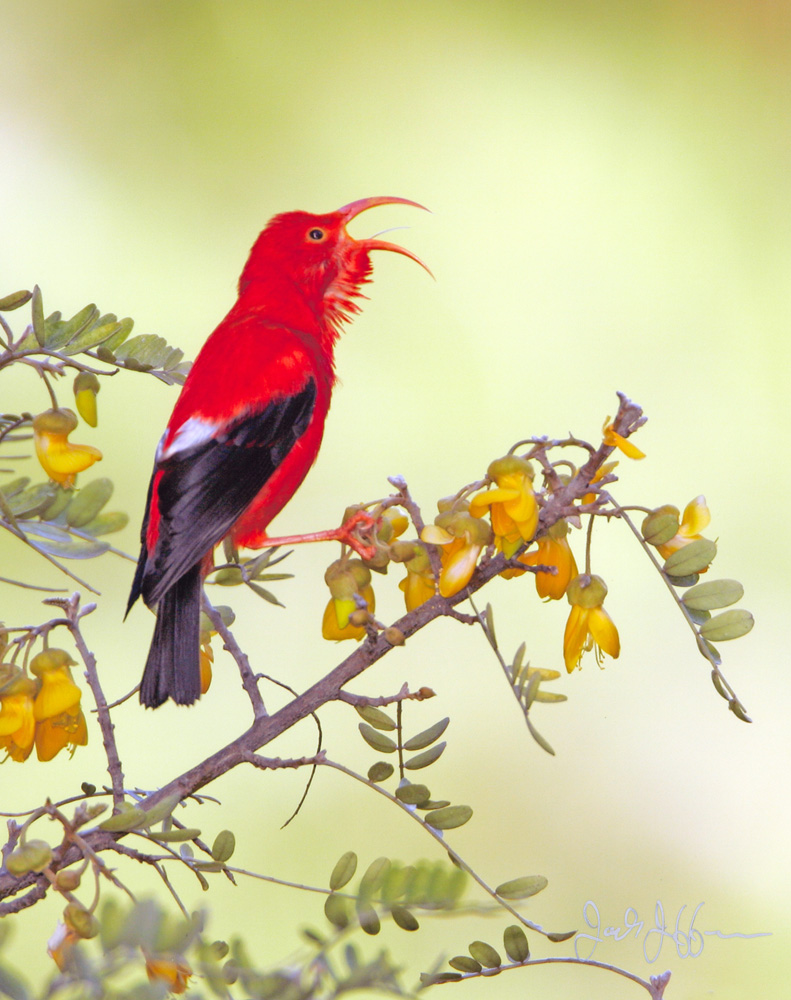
(247, 425)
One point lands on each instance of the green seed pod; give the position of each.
(68, 880)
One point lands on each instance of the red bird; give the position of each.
(247, 425)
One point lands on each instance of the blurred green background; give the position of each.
(610, 188)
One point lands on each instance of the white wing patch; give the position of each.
(193, 432)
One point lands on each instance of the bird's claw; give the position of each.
(359, 533)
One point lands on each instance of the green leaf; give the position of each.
(106, 523)
(344, 870)
(558, 936)
(413, 795)
(223, 847)
(692, 558)
(266, 594)
(12, 987)
(374, 875)
(428, 736)
(728, 625)
(375, 739)
(88, 501)
(14, 300)
(405, 919)
(15, 487)
(368, 918)
(380, 771)
(739, 710)
(521, 888)
(463, 963)
(489, 616)
(377, 718)
(550, 697)
(698, 617)
(449, 818)
(33, 500)
(425, 758)
(435, 978)
(713, 594)
(716, 680)
(161, 810)
(175, 835)
(484, 953)
(131, 818)
(336, 910)
(37, 310)
(515, 941)
(56, 542)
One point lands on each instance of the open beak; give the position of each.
(351, 211)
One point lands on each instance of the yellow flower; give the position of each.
(419, 585)
(59, 719)
(612, 438)
(553, 550)
(60, 945)
(60, 459)
(695, 518)
(512, 504)
(346, 578)
(206, 661)
(460, 538)
(588, 626)
(17, 723)
(170, 971)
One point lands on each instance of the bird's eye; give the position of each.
(316, 235)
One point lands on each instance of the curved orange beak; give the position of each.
(351, 211)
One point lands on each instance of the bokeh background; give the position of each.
(610, 188)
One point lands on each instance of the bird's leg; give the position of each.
(358, 533)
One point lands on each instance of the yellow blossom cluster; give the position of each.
(45, 710)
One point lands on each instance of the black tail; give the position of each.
(173, 664)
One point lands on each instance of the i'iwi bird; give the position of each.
(247, 425)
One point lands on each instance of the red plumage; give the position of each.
(247, 425)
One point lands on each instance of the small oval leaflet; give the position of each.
(344, 870)
(515, 941)
(428, 736)
(484, 953)
(713, 594)
(162, 809)
(413, 795)
(129, 819)
(425, 758)
(521, 888)
(376, 739)
(88, 502)
(558, 936)
(336, 910)
(175, 835)
(374, 875)
(449, 818)
(728, 625)
(691, 558)
(380, 771)
(377, 718)
(464, 963)
(404, 918)
(223, 847)
(368, 917)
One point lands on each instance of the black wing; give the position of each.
(205, 489)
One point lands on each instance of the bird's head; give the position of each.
(316, 254)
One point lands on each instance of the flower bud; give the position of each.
(80, 920)
(68, 881)
(394, 636)
(452, 504)
(86, 387)
(359, 618)
(401, 552)
(32, 856)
